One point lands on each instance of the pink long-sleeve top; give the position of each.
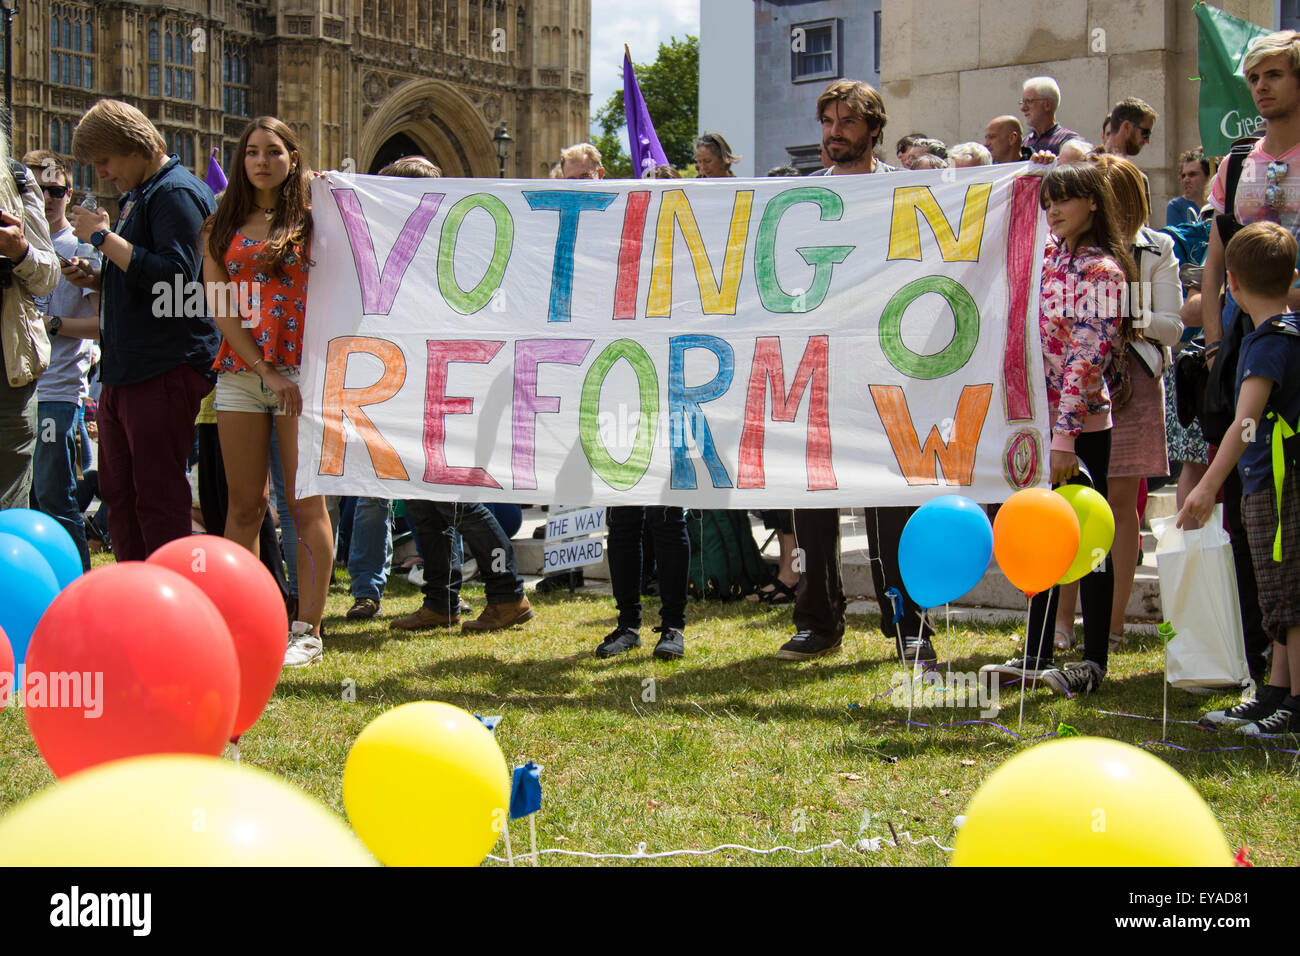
(1079, 323)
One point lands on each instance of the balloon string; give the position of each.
(989, 723)
(1216, 750)
(898, 629)
(1024, 660)
(947, 649)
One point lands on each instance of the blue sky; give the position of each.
(642, 25)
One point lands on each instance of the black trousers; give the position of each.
(1252, 620)
(819, 598)
(628, 526)
(1096, 590)
(884, 532)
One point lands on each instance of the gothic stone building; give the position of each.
(362, 82)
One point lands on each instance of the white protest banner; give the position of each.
(819, 342)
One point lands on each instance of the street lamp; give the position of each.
(10, 9)
(502, 139)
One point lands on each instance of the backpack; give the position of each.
(725, 561)
(1216, 388)
(1191, 239)
(19, 173)
(1286, 437)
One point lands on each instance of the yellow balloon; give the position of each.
(1096, 529)
(175, 810)
(426, 785)
(1087, 801)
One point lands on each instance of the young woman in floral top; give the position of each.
(255, 259)
(1086, 268)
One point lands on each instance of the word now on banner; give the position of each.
(818, 342)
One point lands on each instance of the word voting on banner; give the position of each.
(818, 342)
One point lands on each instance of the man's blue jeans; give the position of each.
(434, 524)
(54, 477)
(370, 551)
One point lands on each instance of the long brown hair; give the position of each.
(1130, 190)
(1084, 181)
(290, 230)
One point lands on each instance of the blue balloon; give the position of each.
(27, 586)
(48, 537)
(945, 549)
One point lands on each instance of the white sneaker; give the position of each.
(416, 575)
(304, 646)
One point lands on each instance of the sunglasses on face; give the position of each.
(1146, 133)
(58, 192)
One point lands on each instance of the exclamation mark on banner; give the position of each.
(1022, 225)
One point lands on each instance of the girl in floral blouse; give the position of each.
(1086, 268)
(255, 259)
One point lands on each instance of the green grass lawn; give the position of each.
(736, 747)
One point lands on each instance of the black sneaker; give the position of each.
(1019, 668)
(1248, 711)
(1078, 677)
(619, 641)
(806, 644)
(672, 644)
(1281, 721)
(912, 649)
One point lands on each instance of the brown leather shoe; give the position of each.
(363, 609)
(423, 620)
(497, 616)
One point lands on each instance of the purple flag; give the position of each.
(216, 178)
(643, 144)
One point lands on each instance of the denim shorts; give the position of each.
(243, 391)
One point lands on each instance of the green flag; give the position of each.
(1227, 111)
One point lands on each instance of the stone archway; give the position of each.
(397, 146)
(439, 120)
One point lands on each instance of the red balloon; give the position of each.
(249, 599)
(6, 669)
(130, 659)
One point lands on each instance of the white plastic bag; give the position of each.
(1198, 593)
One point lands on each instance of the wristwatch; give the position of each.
(56, 323)
(97, 238)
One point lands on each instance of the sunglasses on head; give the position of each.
(1274, 190)
(58, 192)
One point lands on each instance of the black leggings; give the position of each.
(1096, 590)
(623, 546)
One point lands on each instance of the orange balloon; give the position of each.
(1035, 539)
